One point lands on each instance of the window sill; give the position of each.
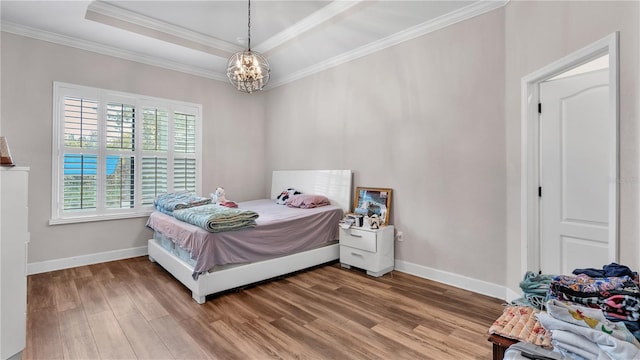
(93, 218)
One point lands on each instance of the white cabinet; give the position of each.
(14, 237)
(369, 249)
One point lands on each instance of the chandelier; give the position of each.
(248, 70)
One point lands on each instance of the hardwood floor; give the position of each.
(133, 308)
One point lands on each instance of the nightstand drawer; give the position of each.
(356, 257)
(358, 239)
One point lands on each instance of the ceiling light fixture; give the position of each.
(248, 70)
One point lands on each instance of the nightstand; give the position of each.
(369, 249)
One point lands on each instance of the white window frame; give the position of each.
(103, 96)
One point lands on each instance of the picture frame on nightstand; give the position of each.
(5, 154)
(370, 200)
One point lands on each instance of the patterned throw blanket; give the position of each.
(581, 332)
(167, 203)
(217, 218)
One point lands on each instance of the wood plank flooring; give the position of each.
(134, 309)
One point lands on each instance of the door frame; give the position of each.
(530, 148)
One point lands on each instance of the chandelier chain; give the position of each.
(249, 28)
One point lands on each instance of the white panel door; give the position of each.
(574, 167)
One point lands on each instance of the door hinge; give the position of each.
(539, 191)
(539, 108)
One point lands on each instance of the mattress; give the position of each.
(279, 231)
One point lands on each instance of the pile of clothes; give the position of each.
(592, 314)
(614, 290)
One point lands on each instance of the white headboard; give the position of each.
(334, 184)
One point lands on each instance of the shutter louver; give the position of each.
(184, 169)
(80, 182)
(184, 175)
(80, 123)
(155, 130)
(154, 178)
(185, 133)
(120, 126)
(120, 185)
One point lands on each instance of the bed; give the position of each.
(334, 184)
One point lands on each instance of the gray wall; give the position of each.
(233, 140)
(425, 118)
(438, 120)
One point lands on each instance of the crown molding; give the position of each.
(451, 18)
(109, 50)
(139, 20)
(310, 22)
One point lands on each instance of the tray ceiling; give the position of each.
(299, 38)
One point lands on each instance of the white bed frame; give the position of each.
(334, 184)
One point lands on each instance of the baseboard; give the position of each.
(459, 281)
(75, 261)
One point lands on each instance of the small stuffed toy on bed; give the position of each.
(285, 195)
(220, 199)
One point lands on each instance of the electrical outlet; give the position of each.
(399, 236)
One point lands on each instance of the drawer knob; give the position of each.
(356, 254)
(356, 236)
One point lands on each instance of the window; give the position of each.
(114, 152)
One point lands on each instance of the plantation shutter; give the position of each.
(154, 178)
(80, 182)
(155, 145)
(184, 174)
(184, 165)
(80, 123)
(155, 130)
(120, 183)
(120, 126)
(185, 133)
(114, 153)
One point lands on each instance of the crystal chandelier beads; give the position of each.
(248, 71)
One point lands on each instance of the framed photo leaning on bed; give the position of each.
(369, 201)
